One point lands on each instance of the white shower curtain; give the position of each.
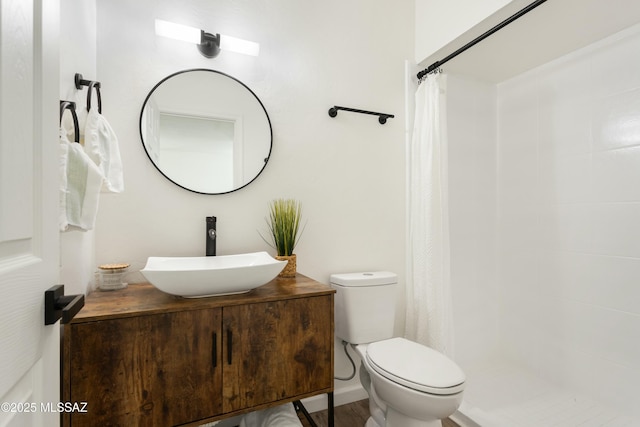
(429, 319)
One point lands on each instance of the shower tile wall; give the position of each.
(569, 220)
(471, 111)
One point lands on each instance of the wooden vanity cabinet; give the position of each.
(278, 350)
(140, 357)
(149, 370)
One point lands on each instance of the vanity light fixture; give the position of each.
(209, 44)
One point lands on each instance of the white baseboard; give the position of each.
(462, 420)
(341, 396)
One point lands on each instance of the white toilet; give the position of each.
(409, 384)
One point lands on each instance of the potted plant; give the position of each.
(284, 225)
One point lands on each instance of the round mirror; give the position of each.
(206, 131)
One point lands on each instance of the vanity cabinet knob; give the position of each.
(229, 346)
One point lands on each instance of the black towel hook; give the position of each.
(71, 106)
(80, 81)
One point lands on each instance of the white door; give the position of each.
(29, 80)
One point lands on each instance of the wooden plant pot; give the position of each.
(289, 270)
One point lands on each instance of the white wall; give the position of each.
(77, 55)
(438, 22)
(563, 299)
(348, 171)
(569, 202)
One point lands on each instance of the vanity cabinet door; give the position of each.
(277, 350)
(150, 370)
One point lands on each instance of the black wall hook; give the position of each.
(80, 82)
(382, 117)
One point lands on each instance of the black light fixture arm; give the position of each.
(209, 44)
(433, 67)
(382, 117)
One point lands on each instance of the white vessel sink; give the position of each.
(194, 277)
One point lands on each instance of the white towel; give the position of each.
(101, 144)
(279, 416)
(80, 183)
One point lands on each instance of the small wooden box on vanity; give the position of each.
(141, 357)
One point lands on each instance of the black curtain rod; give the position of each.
(478, 39)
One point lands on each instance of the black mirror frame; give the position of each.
(144, 104)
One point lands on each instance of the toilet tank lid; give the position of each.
(369, 278)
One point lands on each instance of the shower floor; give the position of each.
(505, 395)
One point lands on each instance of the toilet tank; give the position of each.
(364, 306)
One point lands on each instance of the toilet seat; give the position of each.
(415, 366)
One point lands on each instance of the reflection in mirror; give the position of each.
(206, 131)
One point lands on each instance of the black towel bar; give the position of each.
(382, 117)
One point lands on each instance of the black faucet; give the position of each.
(211, 236)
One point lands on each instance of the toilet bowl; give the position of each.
(419, 386)
(409, 384)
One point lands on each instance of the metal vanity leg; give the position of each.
(330, 409)
(300, 408)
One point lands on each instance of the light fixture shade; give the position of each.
(234, 44)
(177, 31)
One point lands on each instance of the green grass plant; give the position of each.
(284, 225)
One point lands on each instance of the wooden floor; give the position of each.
(352, 415)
